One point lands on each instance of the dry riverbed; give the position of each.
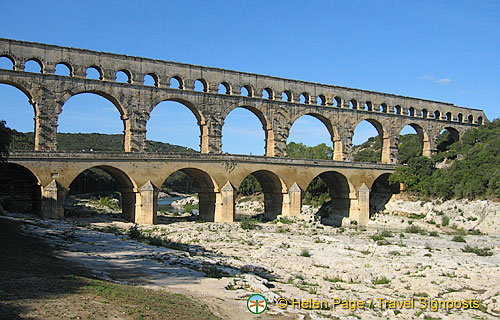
(222, 264)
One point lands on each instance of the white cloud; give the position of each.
(442, 81)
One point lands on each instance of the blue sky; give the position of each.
(441, 50)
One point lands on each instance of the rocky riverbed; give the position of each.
(402, 255)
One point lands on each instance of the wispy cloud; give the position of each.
(444, 80)
(441, 81)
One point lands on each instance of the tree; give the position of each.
(5, 140)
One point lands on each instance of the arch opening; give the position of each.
(176, 83)
(123, 76)
(247, 91)
(353, 104)
(33, 65)
(200, 85)
(94, 73)
(267, 93)
(321, 100)
(327, 196)
(368, 141)
(425, 113)
(89, 121)
(151, 79)
(17, 110)
(479, 120)
(411, 142)
(311, 137)
(470, 119)
(449, 117)
(175, 126)
(20, 191)
(447, 137)
(368, 106)
(250, 125)
(305, 98)
(381, 192)
(397, 109)
(411, 112)
(63, 69)
(286, 96)
(187, 194)
(99, 192)
(265, 189)
(6, 63)
(337, 102)
(224, 88)
(383, 108)
(460, 118)
(437, 115)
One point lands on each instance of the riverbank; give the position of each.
(222, 264)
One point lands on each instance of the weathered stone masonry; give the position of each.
(339, 109)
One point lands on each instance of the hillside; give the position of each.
(87, 141)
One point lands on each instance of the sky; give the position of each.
(439, 50)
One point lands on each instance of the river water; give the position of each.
(165, 204)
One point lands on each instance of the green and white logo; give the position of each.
(257, 304)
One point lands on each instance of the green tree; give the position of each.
(5, 140)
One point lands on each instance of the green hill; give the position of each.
(87, 141)
(466, 169)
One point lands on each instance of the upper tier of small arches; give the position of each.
(216, 81)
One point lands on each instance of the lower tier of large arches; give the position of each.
(47, 181)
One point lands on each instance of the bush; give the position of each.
(458, 238)
(485, 252)
(381, 280)
(415, 229)
(445, 220)
(248, 223)
(305, 253)
(134, 232)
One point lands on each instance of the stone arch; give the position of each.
(353, 104)
(368, 106)
(453, 136)
(339, 189)
(98, 69)
(423, 137)
(337, 102)
(411, 112)
(321, 100)
(126, 185)
(449, 116)
(398, 109)
(383, 135)
(287, 96)
(437, 115)
(179, 80)
(273, 189)
(10, 58)
(306, 97)
(332, 130)
(266, 126)
(38, 60)
(204, 84)
(383, 108)
(200, 118)
(205, 186)
(424, 113)
(25, 88)
(20, 189)
(250, 90)
(270, 93)
(470, 119)
(127, 73)
(108, 96)
(67, 65)
(479, 120)
(154, 76)
(381, 192)
(227, 87)
(460, 118)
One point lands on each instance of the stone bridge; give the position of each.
(276, 102)
(216, 178)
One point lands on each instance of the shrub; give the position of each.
(445, 220)
(415, 229)
(381, 280)
(134, 232)
(485, 252)
(248, 223)
(305, 253)
(458, 238)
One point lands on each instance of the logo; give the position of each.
(257, 304)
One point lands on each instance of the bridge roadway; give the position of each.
(216, 178)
